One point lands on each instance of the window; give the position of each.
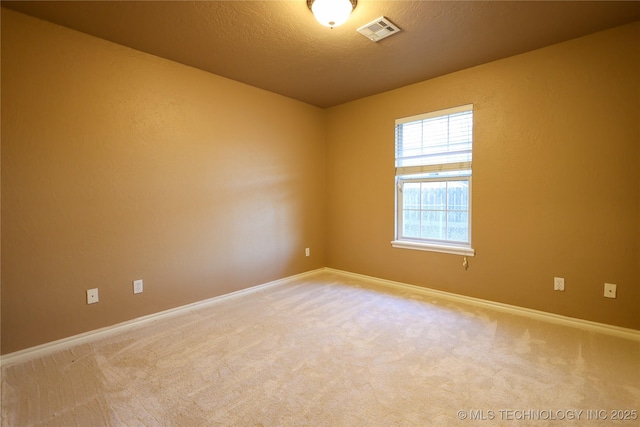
(433, 181)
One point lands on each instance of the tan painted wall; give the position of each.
(556, 184)
(117, 165)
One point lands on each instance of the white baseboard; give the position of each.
(64, 343)
(86, 337)
(627, 333)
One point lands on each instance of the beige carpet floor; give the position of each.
(331, 350)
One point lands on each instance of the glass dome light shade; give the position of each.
(332, 13)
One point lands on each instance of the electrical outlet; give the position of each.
(610, 290)
(138, 286)
(558, 284)
(92, 296)
(307, 252)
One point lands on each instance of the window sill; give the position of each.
(432, 247)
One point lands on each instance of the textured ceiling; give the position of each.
(278, 45)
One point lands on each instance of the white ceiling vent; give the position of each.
(378, 29)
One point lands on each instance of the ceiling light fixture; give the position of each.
(332, 13)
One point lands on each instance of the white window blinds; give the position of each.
(435, 142)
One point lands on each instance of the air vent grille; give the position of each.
(378, 29)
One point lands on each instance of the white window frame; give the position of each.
(445, 172)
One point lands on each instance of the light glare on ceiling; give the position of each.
(331, 13)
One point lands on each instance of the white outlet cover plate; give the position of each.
(138, 286)
(558, 284)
